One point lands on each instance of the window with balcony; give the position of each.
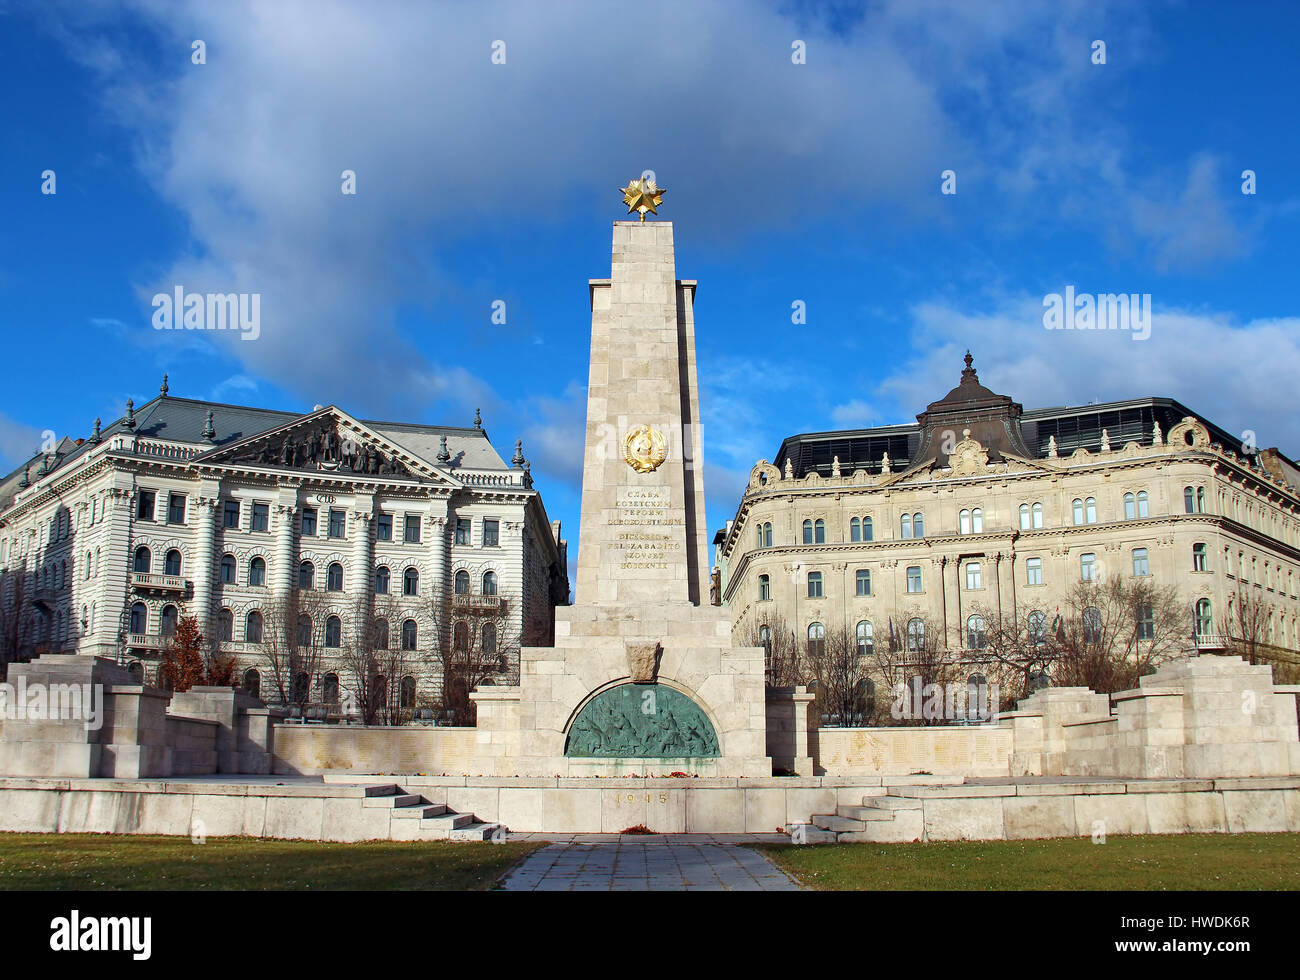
(976, 636)
(139, 618)
(915, 635)
(333, 632)
(866, 639)
(489, 583)
(143, 559)
(1204, 618)
(816, 639)
(462, 582)
(172, 563)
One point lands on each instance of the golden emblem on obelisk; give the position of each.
(645, 448)
(642, 195)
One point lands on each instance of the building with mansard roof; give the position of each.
(235, 515)
(982, 508)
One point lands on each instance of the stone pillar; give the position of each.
(362, 549)
(957, 605)
(438, 544)
(115, 568)
(282, 570)
(207, 513)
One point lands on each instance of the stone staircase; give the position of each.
(887, 817)
(412, 817)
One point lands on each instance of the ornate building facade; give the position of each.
(234, 514)
(984, 509)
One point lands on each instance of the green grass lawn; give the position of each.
(98, 861)
(1172, 862)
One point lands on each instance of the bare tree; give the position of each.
(842, 675)
(1245, 623)
(915, 658)
(294, 641)
(15, 618)
(479, 647)
(782, 651)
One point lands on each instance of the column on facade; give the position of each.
(955, 564)
(363, 561)
(941, 564)
(115, 572)
(207, 513)
(282, 570)
(439, 585)
(997, 584)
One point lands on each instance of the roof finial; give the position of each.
(443, 455)
(209, 430)
(162, 388)
(26, 481)
(968, 374)
(129, 422)
(478, 419)
(517, 459)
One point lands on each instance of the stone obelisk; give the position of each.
(643, 678)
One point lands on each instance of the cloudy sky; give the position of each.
(479, 181)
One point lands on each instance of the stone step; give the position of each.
(420, 811)
(835, 823)
(878, 833)
(802, 833)
(893, 802)
(865, 813)
(478, 831)
(440, 827)
(392, 800)
(385, 789)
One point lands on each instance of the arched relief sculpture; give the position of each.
(641, 721)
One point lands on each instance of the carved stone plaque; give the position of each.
(641, 721)
(643, 662)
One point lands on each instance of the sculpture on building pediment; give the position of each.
(1051, 448)
(322, 449)
(884, 463)
(835, 468)
(968, 457)
(1105, 440)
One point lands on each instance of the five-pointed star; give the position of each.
(642, 196)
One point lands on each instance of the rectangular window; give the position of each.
(914, 578)
(1140, 566)
(176, 508)
(764, 588)
(462, 530)
(1087, 566)
(1034, 571)
(261, 517)
(974, 575)
(814, 585)
(337, 524)
(230, 514)
(144, 506)
(864, 581)
(309, 522)
(491, 534)
(411, 529)
(384, 527)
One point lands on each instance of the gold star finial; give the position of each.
(642, 195)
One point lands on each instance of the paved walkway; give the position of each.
(630, 867)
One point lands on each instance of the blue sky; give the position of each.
(816, 182)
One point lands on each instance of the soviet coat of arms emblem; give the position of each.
(645, 448)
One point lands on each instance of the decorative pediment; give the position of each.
(968, 457)
(326, 441)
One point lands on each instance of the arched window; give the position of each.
(381, 634)
(1092, 627)
(411, 635)
(306, 575)
(382, 579)
(977, 520)
(139, 618)
(88, 565)
(408, 692)
(253, 682)
(906, 525)
(142, 560)
(169, 618)
(253, 627)
(974, 575)
(1037, 627)
(488, 639)
(1143, 508)
(462, 582)
(819, 531)
(257, 571)
(411, 582)
(330, 689)
(1204, 617)
(855, 529)
(1090, 510)
(333, 632)
(1189, 500)
(816, 639)
(1200, 500)
(172, 563)
(1200, 555)
(767, 534)
(136, 670)
(489, 583)
(976, 638)
(918, 525)
(1038, 515)
(304, 630)
(1130, 507)
(226, 625)
(765, 639)
(1078, 510)
(867, 530)
(334, 577)
(814, 585)
(300, 687)
(227, 569)
(863, 578)
(866, 639)
(807, 532)
(759, 529)
(977, 688)
(460, 637)
(764, 588)
(963, 525)
(1024, 517)
(915, 635)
